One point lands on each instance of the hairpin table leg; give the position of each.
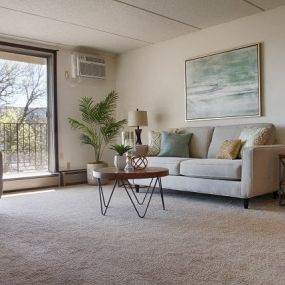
(148, 202)
(103, 205)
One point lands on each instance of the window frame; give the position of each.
(51, 57)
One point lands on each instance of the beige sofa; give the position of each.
(257, 173)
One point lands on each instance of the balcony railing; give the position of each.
(24, 147)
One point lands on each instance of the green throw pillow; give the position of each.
(176, 145)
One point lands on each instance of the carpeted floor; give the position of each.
(60, 237)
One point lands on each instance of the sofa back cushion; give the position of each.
(200, 140)
(222, 133)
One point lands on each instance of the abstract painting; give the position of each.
(223, 85)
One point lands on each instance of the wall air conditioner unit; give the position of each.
(88, 66)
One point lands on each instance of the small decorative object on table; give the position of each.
(139, 162)
(120, 159)
(128, 138)
(129, 156)
(141, 150)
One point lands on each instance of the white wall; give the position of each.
(69, 93)
(152, 78)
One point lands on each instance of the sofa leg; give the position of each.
(275, 195)
(137, 187)
(245, 203)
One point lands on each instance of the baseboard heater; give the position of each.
(69, 177)
(31, 182)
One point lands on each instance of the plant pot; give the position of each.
(95, 166)
(120, 162)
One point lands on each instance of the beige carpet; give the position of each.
(60, 237)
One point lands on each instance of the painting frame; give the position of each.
(257, 83)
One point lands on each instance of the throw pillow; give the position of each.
(229, 149)
(154, 142)
(176, 145)
(251, 136)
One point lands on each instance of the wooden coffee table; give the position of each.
(122, 176)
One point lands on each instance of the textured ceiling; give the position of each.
(118, 25)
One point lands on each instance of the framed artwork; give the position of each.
(223, 85)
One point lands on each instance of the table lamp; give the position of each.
(136, 119)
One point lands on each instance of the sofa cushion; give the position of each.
(200, 140)
(229, 149)
(172, 163)
(212, 168)
(174, 145)
(254, 136)
(223, 133)
(154, 142)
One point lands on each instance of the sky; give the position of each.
(28, 74)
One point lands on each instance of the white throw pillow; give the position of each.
(154, 142)
(251, 136)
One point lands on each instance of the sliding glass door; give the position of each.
(27, 110)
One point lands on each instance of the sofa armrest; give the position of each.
(260, 170)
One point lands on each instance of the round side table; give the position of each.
(122, 176)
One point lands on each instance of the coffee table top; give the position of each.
(114, 173)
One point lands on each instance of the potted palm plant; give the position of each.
(98, 128)
(119, 159)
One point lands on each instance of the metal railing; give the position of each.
(24, 146)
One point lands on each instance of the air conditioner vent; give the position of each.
(94, 59)
(91, 70)
(89, 66)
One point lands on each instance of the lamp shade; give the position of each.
(137, 118)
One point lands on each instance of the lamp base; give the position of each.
(138, 134)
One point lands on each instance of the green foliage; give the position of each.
(10, 115)
(120, 149)
(98, 127)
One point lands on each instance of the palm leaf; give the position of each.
(104, 110)
(85, 139)
(111, 129)
(85, 107)
(120, 149)
(75, 124)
